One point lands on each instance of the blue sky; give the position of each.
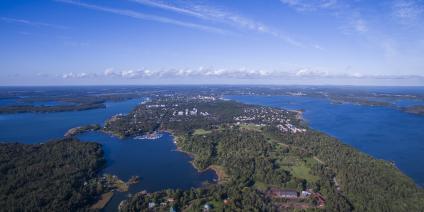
(73, 42)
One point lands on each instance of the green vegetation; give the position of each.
(49, 177)
(301, 170)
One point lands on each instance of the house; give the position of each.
(305, 194)
(152, 204)
(193, 112)
(320, 199)
(283, 193)
(206, 207)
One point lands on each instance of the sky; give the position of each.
(140, 42)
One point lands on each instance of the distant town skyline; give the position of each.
(141, 42)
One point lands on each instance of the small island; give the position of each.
(78, 130)
(418, 110)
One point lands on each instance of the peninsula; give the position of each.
(271, 160)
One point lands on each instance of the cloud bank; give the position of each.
(202, 73)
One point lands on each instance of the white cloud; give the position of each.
(143, 16)
(305, 72)
(32, 23)
(389, 48)
(232, 74)
(355, 75)
(316, 46)
(359, 25)
(208, 13)
(72, 75)
(310, 5)
(219, 15)
(407, 10)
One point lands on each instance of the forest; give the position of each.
(49, 176)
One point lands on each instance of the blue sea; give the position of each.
(382, 132)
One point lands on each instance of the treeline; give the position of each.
(50, 176)
(224, 197)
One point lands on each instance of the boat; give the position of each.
(149, 136)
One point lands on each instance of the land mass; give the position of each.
(266, 154)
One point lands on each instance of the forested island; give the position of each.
(47, 100)
(267, 158)
(46, 109)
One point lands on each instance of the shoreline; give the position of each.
(220, 173)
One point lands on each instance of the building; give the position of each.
(152, 204)
(207, 207)
(305, 194)
(284, 193)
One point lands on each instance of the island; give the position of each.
(418, 109)
(45, 100)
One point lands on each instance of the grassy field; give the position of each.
(201, 132)
(253, 127)
(261, 186)
(302, 171)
